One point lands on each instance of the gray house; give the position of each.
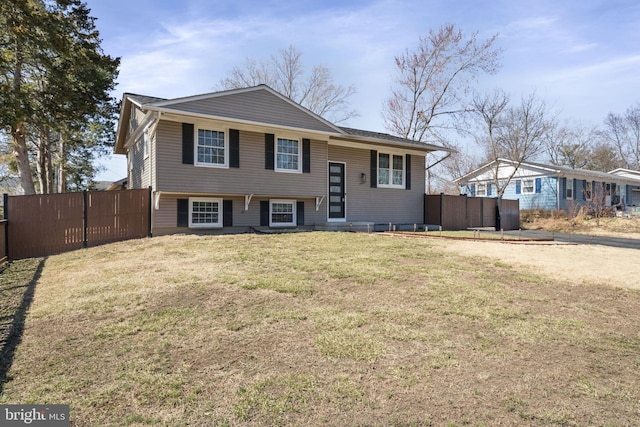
(251, 158)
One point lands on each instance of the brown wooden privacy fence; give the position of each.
(3, 240)
(462, 212)
(40, 225)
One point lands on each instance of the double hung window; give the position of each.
(205, 212)
(528, 186)
(211, 148)
(391, 170)
(569, 189)
(288, 155)
(282, 213)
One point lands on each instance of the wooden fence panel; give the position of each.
(44, 224)
(113, 216)
(488, 212)
(454, 212)
(474, 212)
(41, 225)
(461, 212)
(3, 240)
(510, 218)
(432, 206)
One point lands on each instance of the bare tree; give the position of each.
(513, 133)
(604, 158)
(285, 73)
(622, 131)
(433, 81)
(571, 144)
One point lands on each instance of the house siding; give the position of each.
(165, 219)
(379, 205)
(251, 106)
(250, 178)
(545, 199)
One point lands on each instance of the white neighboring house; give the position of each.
(550, 187)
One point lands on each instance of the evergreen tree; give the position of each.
(57, 83)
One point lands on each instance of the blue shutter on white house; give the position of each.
(538, 185)
(584, 189)
(473, 190)
(518, 186)
(489, 189)
(563, 188)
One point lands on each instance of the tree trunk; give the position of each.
(41, 165)
(62, 173)
(499, 212)
(19, 143)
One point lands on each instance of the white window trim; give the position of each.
(404, 170)
(533, 186)
(275, 154)
(210, 224)
(224, 165)
(569, 185)
(282, 224)
(484, 189)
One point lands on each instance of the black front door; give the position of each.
(336, 191)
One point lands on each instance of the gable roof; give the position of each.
(628, 173)
(544, 169)
(257, 105)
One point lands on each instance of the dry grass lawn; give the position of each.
(327, 329)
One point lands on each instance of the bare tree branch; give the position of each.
(285, 73)
(434, 80)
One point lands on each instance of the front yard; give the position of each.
(323, 329)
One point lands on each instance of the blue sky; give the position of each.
(582, 57)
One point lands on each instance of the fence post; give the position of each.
(149, 234)
(441, 208)
(5, 215)
(85, 204)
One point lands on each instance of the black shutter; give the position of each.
(374, 169)
(268, 150)
(183, 213)
(407, 175)
(306, 155)
(234, 148)
(300, 213)
(584, 189)
(264, 213)
(227, 213)
(187, 143)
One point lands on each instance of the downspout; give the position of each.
(152, 178)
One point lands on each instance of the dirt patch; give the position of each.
(588, 264)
